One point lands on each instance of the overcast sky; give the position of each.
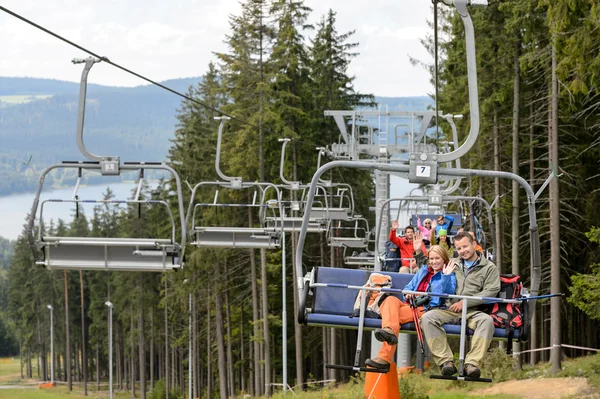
(172, 39)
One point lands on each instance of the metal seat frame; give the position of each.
(98, 253)
(265, 236)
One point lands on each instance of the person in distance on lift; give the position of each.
(406, 247)
(441, 223)
(475, 276)
(437, 276)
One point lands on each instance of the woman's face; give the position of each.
(436, 261)
(443, 238)
(427, 224)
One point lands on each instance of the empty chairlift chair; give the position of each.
(106, 253)
(147, 254)
(236, 235)
(354, 233)
(258, 234)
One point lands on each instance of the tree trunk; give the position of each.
(132, 356)
(497, 192)
(42, 351)
(83, 354)
(554, 224)
(166, 341)
(534, 324)
(29, 368)
(242, 352)
(230, 380)
(151, 348)
(195, 358)
(220, 340)
(255, 320)
(21, 357)
(97, 367)
(266, 331)
(142, 341)
(68, 337)
(209, 378)
(515, 170)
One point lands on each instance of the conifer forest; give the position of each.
(538, 66)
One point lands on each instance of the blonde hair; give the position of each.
(427, 221)
(441, 251)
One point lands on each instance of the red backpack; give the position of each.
(509, 315)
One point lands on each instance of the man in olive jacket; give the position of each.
(475, 276)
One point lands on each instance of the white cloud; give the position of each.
(165, 40)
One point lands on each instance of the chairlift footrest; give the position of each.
(459, 378)
(352, 368)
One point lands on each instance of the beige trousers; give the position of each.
(480, 322)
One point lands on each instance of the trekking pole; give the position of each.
(415, 312)
(527, 298)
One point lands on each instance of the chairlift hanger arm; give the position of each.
(234, 180)
(294, 185)
(112, 160)
(461, 7)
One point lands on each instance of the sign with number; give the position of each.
(423, 171)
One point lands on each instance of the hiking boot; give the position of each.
(379, 364)
(386, 334)
(472, 371)
(448, 368)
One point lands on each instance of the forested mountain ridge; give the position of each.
(135, 123)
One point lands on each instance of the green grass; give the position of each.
(9, 370)
(58, 392)
(411, 386)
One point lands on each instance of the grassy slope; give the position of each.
(412, 386)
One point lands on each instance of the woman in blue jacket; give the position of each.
(436, 276)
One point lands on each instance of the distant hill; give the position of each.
(418, 103)
(133, 122)
(38, 120)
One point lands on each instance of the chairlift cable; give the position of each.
(105, 59)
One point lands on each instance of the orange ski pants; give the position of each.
(394, 313)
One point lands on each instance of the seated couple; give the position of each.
(471, 275)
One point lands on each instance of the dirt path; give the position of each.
(541, 388)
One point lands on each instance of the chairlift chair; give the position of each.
(259, 235)
(94, 253)
(349, 234)
(262, 235)
(150, 254)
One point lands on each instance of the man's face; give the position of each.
(410, 234)
(440, 220)
(465, 249)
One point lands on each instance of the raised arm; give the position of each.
(450, 222)
(393, 237)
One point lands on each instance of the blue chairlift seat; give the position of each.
(333, 306)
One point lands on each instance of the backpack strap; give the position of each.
(510, 333)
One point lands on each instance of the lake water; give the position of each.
(15, 208)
